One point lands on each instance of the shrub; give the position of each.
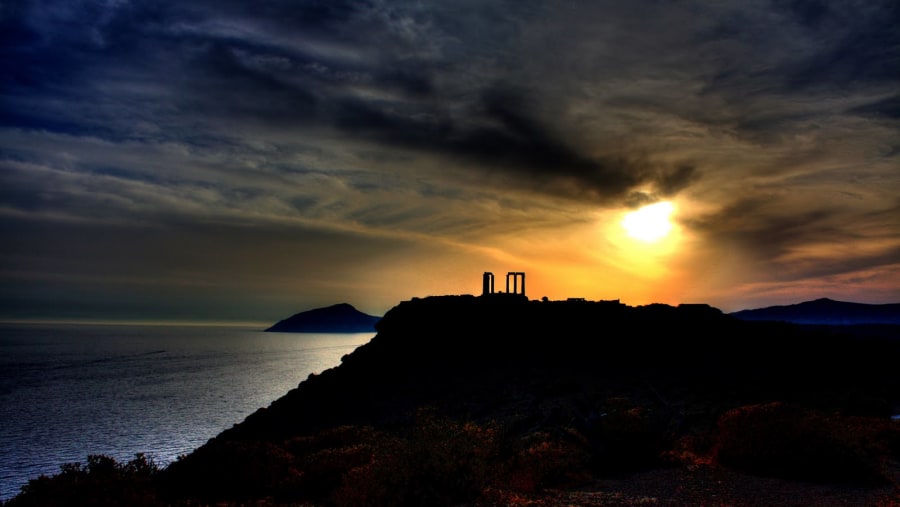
(324, 471)
(786, 441)
(439, 462)
(543, 461)
(627, 437)
(101, 482)
(236, 470)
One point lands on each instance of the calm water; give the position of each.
(67, 391)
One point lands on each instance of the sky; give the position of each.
(247, 160)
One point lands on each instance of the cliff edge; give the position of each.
(458, 398)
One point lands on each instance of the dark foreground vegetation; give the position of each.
(461, 400)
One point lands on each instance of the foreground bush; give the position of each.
(785, 441)
(231, 470)
(542, 460)
(438, 462)
(627, 437)
(101, 482)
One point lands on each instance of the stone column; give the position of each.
(487, 283)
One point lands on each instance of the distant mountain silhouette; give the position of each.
(339, 318)
(826, 311)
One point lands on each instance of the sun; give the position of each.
(650, 223)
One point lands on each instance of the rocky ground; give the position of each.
(703, 485)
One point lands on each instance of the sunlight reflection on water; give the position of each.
(67, 391)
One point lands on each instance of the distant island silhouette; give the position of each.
(501, 400)
(338, 318)
(826, 311)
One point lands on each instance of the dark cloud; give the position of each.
(228, 89)
(447, 120)
(320, 16)
(134, 270)
(221, 67)
(764, 234)
(765, 68)
(812, 13)
(215, 71)
(885, 108)
(500, 135)
(755, 227)
(864, 49)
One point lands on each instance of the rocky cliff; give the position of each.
(600, 386)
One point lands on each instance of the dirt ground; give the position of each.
(706, 485)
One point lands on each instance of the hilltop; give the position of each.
(476, 392)
(497, 400)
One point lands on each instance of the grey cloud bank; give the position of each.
(189, 143)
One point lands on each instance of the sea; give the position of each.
(72, 390)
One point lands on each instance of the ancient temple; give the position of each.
(518, 283)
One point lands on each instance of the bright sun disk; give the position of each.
(650, 223)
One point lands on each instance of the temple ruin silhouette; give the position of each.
(517, 288)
